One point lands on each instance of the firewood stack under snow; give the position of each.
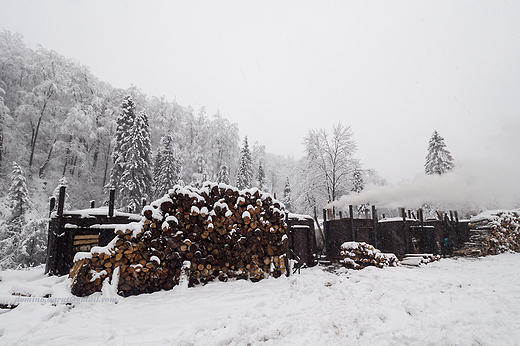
(492, 233)
(201, 235)
(360, 255)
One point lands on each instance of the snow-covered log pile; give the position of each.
(418, 259)
(493, 232)
(356, 255)
(216, 232)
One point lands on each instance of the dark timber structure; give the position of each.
(74, 231)
(301, 242)
(409, 233)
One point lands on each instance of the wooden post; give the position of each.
(52, 205)
(402, 211)
(409, 214)
(111, 201)
(456, 213)
(324, 215)
(92, 204)
(375, 224)
(51, 240)
(451, 216)
(351, 213)
(60, 246)
(288, 248)
(61, 201)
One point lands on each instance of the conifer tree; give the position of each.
(136, 178)
(357, 182)
(287, 195)
(167, 169)
(125, 123)
(223, 174)
(262, 185)
(245, 168)
(438, 160)
(21, 243)
(18, 194)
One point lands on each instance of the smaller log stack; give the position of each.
(493, 233)
(356, 255)
(217, 232)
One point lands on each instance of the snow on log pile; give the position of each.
(356, 255)
(493, 232)
(216, 232)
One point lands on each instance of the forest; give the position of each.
(60, 125)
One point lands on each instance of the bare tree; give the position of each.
(329, 163)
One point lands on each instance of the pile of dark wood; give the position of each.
(214, 233)
(356, 255)
(493, 234)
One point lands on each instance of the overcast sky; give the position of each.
(393, 71)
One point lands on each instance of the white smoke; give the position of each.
(472, 184)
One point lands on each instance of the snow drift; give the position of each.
(449, 302)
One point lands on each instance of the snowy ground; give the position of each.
(450, 302)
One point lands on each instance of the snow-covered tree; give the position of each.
(223, 147)
(136, 178)
(328, 165)
(287, 195)
(167, 168)
(125, 124)
(438, 160)
(223, 174)
(18, 195)
(22, 243)
(245, 168)
(3, 111)
(262, 184)
(357, 181)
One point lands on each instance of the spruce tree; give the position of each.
(357, 182)
(287, 195)
(18, 195)
(262, 185)
(167, 169)
(136, 178)
(245, 168)
(125, 122)
(438, 160)
(223, 174)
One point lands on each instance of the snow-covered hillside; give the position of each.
(450, 302)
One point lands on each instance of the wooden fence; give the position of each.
(402, 235)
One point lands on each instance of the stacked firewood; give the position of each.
(356, 255)
(418, 259)
(212, 233)
(493, 233)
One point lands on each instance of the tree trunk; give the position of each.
(35, 134)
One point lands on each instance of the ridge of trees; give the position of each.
(61, 121)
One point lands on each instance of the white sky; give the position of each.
(393, 71)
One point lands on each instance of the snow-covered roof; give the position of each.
(93, 212)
